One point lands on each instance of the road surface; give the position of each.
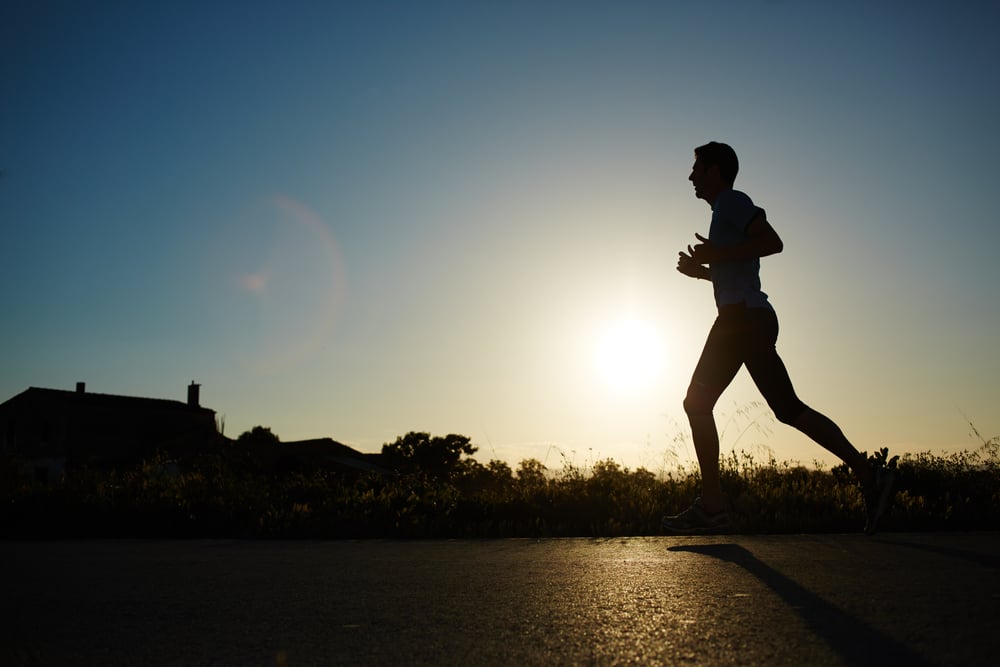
(913, 599)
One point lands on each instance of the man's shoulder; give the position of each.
(733, 199)
(733, 207)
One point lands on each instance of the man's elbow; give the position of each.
(771, 248)
(774, 243)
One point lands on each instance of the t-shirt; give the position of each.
(737, 281)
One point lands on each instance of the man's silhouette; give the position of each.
(744, 333)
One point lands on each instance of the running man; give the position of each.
(744, 333)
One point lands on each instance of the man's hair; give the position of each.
(721, 155)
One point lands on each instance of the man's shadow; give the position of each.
(854, 640)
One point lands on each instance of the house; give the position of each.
(317, 453)
(51, 428)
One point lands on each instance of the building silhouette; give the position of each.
(49, 429)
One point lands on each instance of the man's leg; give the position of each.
(823, 431)
(706, 444)
(771, 377)
(876, 488)
(720, 361)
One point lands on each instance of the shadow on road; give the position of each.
(990, 561)
(855, 641)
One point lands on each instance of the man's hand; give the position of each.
(704, 252)
(689, 267)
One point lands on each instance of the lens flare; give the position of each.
(301, 292)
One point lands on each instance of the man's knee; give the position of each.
(700, 401)
(788, 411)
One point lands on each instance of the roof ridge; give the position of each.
(101, 393)
(70, 394)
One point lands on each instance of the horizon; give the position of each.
(674, 459)
(358, 221)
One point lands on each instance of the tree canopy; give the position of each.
(258, 435)
(439, 457)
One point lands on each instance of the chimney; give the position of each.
(81, 387)
(193, 394)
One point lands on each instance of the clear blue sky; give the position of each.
(360, 219)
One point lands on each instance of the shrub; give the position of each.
(439, 491)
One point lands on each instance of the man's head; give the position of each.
(715, 169)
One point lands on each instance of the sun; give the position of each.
(630, 355)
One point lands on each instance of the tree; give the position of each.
(258, 435)
(532, 473)
(437, 457)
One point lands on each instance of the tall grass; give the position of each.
(215, 495)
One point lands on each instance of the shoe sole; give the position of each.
(706, 530)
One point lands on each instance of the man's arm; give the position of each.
(761, 241)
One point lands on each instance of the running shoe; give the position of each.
(696, 520)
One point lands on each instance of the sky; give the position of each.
(357, 220)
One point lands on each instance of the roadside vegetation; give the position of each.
(434, 488)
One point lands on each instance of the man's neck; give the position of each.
(714, 197)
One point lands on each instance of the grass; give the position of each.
(217, 495)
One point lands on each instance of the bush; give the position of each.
(439, 491)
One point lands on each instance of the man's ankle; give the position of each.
(713, 506)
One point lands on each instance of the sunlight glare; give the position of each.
(630, 355)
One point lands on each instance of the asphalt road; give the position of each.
(910, 599)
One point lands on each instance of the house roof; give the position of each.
(325, 445)
(94, 400)
(322, 449)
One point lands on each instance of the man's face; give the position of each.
(706, 181)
